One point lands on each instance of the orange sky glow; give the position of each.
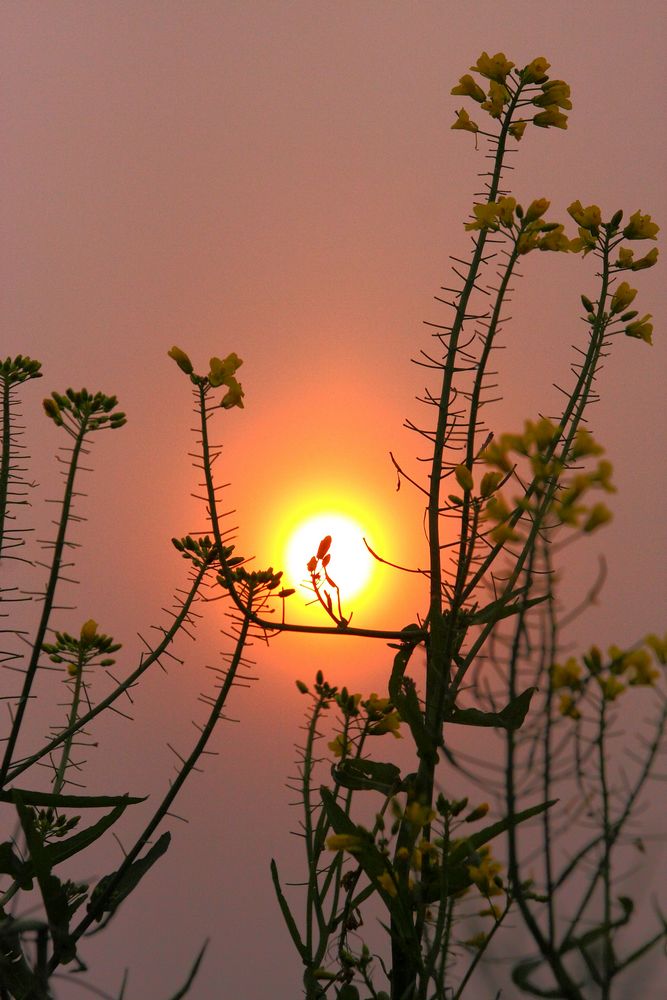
(281, 180)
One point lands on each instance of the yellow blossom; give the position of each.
(388, 883)
(586, 241)
(418, 814)
(344, 842)
(584, 444)
(340, 746)
(536, 210)
(477, 941)
(468, 88)
(555, 92)
(551, 117)
(498, 98)
(181, 359)
(535, 71)
(640, 227)
(489, 484)
(222, 370)
(493, 67)
(389, 724)
(484, 874)
(627, 262)
(506, 208)
(567, 675)
(233, 396)
(485, 216)
(464, 121)
(588, 218)
(641, 329)
(622, 297)
(555, 239)
(659, 646)
(527, 241)
(477, 813)
(88, 631)
(568, 708)
(599, 515)
(463, 477)
(377, 706)
(517, 129)
(644, 673)
(610, 687)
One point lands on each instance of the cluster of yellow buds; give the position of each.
(77, 652)
(485, 873)
(612, 676)
(536, 445)
(509, 91)
(222, 371)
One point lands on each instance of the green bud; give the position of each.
(587, 304)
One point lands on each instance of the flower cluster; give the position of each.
(510, 90)
(80, 651)
(611, 676)
(222, 371)
(82, 408)
(19, 369)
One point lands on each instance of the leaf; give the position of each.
(357, 774)
(53, 894)
(287, 913)
(11, 864)
(401, 660)
(193, 972)
(127, 882)
(511, 717)
(499, 609)
(61, 850)
(410, 711)
(68, 801)
(348, 992)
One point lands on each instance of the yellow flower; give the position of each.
(641, 329)
(555, 93)
(389, 724)
(484, 874)
(568, 707)
(659, 646)
(536, 210)
(527, 241)
(517, 129)
(535, 71)
(640, 227)
(599, 514)
(88, 631)
(477, 813)
(493, 67)
(498, 98)
(490, 481)
(377, 706)
(627, 262)
(468, 88)
(610, 687)
(556, 239)
(551, 117)
(622, 297)
(644, 673)
(567, 675)
(506, 208)
(181, 359)
(464, 121)
(233, 396)
(340, 746)
(221, 371)
(588, 218)
(344, 842)
(602, 476)
(388, 883)
(586, 241)
(418, 814)
(477, 941)
(463, 477)
(584, 444)
(485, 216)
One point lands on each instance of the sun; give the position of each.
(351, 564)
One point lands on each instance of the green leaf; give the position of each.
(499, 609)
(409, 709)
(30, 798)
(287, 913)
(60, 850)
(357, 774)
(185, 988)
(102, 901)
(11, 864)
(401, 660)
(511, 717)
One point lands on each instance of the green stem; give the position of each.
(59, 779)
(49, 595)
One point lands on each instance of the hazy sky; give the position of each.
(280, 179)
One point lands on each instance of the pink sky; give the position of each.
(280, 180)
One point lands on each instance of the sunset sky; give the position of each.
(280, 179)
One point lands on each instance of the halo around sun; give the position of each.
(351, 564)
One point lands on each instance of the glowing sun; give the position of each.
(351, 564)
